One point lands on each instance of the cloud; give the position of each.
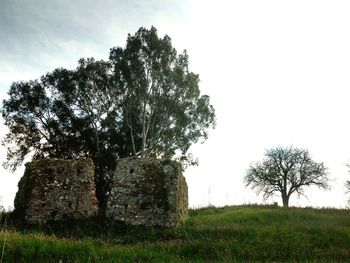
(38, 36)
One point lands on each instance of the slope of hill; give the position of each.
(229, 234)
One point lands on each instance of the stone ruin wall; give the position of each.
(148, 192)
(54, 189)
(144, 192)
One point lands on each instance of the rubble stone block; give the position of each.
(55, 189)
(148, 192)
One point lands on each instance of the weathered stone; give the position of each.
(147, 192)
(55, 189)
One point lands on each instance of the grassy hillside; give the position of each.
(230, 234)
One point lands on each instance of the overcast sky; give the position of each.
(277, 73)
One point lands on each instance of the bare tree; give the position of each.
(287, 171)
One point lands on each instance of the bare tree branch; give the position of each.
(286, 171)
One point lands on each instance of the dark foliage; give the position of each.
(143, 101)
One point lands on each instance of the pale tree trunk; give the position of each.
(129, 124)
(132, 140)
(143, 147)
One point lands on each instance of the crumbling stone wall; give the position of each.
(55, 189)
(148, 192)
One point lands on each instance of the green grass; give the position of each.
(229, 234)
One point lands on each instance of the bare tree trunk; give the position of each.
(285, 200)
(285, 197)
(143, 142)
(132, 141)
(143, 147)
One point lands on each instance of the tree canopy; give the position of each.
(161, 97)
(286, 171)
(142, 102)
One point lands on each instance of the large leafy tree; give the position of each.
(286, 171)
(161, 96)
(67, 114)
(144, 102)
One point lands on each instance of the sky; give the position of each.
(277, 73)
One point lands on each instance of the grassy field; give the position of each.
(229, 234)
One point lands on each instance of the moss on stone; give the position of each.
(146, 191)
(54, 189)
(154, 184)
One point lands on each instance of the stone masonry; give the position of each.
(148, 192)
(55, 189)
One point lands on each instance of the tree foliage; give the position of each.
(66, 114)
(143, 101)
(286, 171)
(161, 96)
